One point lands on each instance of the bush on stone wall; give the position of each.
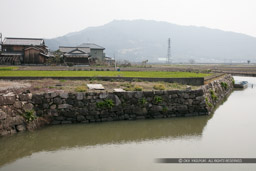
(213, 95)
(29, 115)
(224, 85)
(143, 101)
(106, 104)
(158, 99)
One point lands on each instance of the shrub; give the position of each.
(81, 89)
(142, 101)
(213, 95)
(29, 115)
(137, 88)
(207, 102)
(106, 104)
(165, 109)
(159, 87)
(158, 99)
(224, 85)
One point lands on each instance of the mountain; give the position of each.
(139, 40)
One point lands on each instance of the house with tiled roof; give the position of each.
(23, 51)
(97, 52)
(85, 53)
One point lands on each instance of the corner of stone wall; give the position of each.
(12, 110)
(216, 91)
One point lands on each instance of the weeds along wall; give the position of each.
(27, 111)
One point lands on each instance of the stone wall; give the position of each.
(217, 91)
(27, 111)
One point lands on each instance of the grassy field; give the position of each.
(8, 68)
(156, 74)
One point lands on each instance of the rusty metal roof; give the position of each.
(23, 41)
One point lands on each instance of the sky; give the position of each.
(53, 18)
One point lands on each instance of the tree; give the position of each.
(248, 61)
(58, 58)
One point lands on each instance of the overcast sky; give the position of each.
(52, 18)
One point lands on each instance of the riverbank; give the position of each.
(27, 111)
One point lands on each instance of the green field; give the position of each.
(8, 68)
(156, 74)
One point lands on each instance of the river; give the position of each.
(135, 145)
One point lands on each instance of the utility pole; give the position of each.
(115, 61)
(169, 51)
(0, 42)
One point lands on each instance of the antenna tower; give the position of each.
(169, 51)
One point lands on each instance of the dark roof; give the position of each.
(66, 49)
(77, 51)
(77, 55)
(91, 46)
(23, 41)
(45, 55)
(32, 47)
(11, 54)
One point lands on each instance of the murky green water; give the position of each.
(134, 145)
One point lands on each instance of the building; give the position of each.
(97, 51)
(75, 55)
(109, 61)
(85, 54)
(23, 51)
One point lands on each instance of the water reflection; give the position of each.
(69, 136)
